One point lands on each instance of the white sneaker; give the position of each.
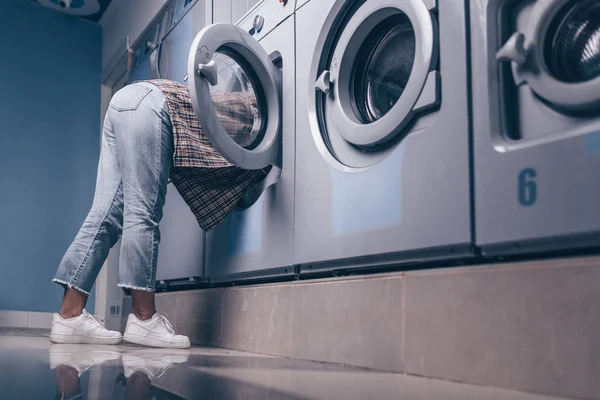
(153, 362)
(85, 328)
(155, 332)
(81, 358)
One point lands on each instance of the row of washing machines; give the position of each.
(402, 131)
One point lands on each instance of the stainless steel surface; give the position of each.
(271, 13)
(258, 241)
(404, 200)
(176, 45)
(230, 11)
(181, 249)
(536, 161)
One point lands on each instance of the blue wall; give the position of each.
(49, 146)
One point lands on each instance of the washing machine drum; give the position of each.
(558, 56)
(572, 50)
(235, 85)
(378, 74)
(382, 68)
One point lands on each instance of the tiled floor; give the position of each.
(32, 368)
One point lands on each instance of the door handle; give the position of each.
(324, 82)
(209, 72)
(514, 50)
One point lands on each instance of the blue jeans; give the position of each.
(135, 162)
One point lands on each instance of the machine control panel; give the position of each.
(265, 16)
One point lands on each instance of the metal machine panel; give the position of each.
(403, 201)
(181, 249)
(537, 147)
(181, 7)
(257, 241)
(300, 3)
(230, 11)
(265, 17)
(176, 45)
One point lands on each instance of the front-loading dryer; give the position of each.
(256, 56)
(382, 139)
(536, 120)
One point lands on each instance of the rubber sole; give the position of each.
(82, 339)
(153, 342)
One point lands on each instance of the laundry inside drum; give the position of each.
(237, 103)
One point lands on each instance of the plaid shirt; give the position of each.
(208, 183)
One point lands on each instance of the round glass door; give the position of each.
(382, 68)
(238, 102)
(236, 94)
(558, 54)
(377, 74)
(572, 48)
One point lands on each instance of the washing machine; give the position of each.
(536, 124)
(257, 55)
(383, 140)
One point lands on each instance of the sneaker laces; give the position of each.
(95, 319)
(163, 318)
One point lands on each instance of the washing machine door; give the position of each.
(558, 55)
(235, 91)
(381, 73)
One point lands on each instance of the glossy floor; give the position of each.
(32, 368)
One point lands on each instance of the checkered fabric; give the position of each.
(208, 183)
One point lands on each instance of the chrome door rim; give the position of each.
(568, 95)
(208, 42)
(385, 128)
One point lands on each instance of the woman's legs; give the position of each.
(73, 303)
(128, 204)
(145, 142)
(143, 304)
(135, 162)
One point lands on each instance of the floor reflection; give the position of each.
(140, 368)
(32, 368)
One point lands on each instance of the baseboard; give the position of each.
(527, 326)
(25, 319)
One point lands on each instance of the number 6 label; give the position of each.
(527, 187)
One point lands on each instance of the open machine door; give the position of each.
(236, 93)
